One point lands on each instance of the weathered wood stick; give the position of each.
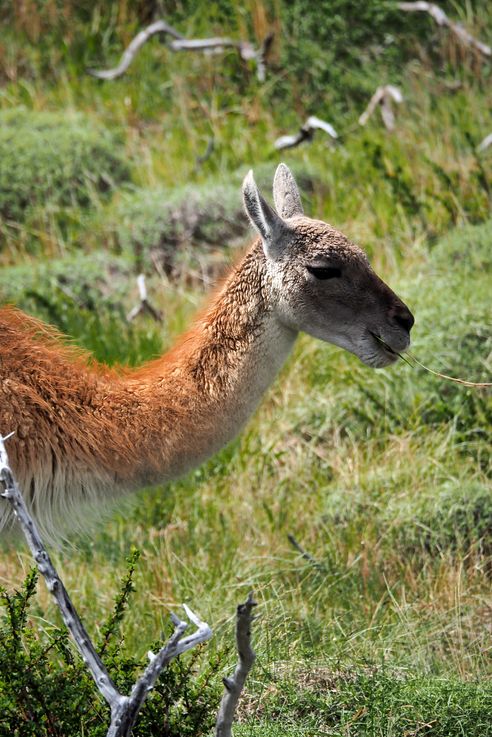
(179, 43)
(124, 709)
(442, 20)
(235, 684)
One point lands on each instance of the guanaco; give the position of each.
(85, 433)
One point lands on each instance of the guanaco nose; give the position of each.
(403, 317)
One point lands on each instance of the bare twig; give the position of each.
(89, 655)
(307, 556)
(159, 26)
(306, 133)
(211, 45)
(487, 141)
(384, 97)
(124, 715)
(202, 158)
(442, 19)
(179, 43)
(144, 305)
(235, 684)
(124, 709)
(261, 56)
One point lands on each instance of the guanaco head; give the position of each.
(321, 283)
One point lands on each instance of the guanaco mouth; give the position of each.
(384, 344)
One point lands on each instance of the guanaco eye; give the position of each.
(324, 272)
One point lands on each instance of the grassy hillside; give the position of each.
(382, 477)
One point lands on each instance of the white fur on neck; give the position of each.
(255, 372)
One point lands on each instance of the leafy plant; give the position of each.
(54, 159)
(159, 224)
(45, 690)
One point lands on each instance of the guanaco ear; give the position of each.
(269, 225)
(286, 193)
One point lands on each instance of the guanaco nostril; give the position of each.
(405, 320)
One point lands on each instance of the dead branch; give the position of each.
(159, 26)
(261, 56)
(124, 709)
(215, 45)
(483, 145)
(384, 96)
(442, 19)
(202, 158)
(144, 305)
(306, 133)
(235, 684)
(125, 712)
(307, 556)
(89, 655)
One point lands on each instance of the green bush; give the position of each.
(456, 517)
(46, 691)
(156, 223)
(452, 517)
(53, 160)
(159, 223)
(465, 251)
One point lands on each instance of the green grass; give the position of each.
(382, 477)
(370, 702)
(55, 167)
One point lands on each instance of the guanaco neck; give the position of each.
(218, 372)
(86, 434)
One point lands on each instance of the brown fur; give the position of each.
(125, 427)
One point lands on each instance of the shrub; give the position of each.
(466, 250)
(51, 160)
(443, 517)
(455, 517)
(45, 688)
(157, 224)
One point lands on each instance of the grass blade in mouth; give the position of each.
(390, 350)
(464, 382)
